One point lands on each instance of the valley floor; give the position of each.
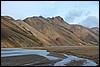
(89, 52)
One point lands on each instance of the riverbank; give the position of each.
(89, 52)
(27, 60)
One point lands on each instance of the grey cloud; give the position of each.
(74, 14)
(90, 21)
(87, 13)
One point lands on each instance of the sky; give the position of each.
(85, 13)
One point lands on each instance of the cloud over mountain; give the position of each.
(90, 21)
(73, 15)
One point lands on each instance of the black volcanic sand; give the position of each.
(75, 63)
(25, 59)
(35, 60)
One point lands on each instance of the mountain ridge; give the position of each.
(38, 31)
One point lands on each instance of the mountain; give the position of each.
(38, 31)
(95, 30)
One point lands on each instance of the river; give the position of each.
(9, 52)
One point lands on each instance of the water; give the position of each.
(71, 58)
(6, 52)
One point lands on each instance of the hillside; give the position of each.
(39, 31)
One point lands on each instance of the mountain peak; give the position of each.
(94, 28)
(8, 17)
(59, 18)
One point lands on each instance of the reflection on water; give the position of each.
(6, 52)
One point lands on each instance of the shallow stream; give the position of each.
(6, 52)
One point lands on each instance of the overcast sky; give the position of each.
(85, 13)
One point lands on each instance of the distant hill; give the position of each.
(38, 31)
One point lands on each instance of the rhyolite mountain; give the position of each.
(38, 31)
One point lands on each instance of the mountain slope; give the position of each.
(39, 31)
